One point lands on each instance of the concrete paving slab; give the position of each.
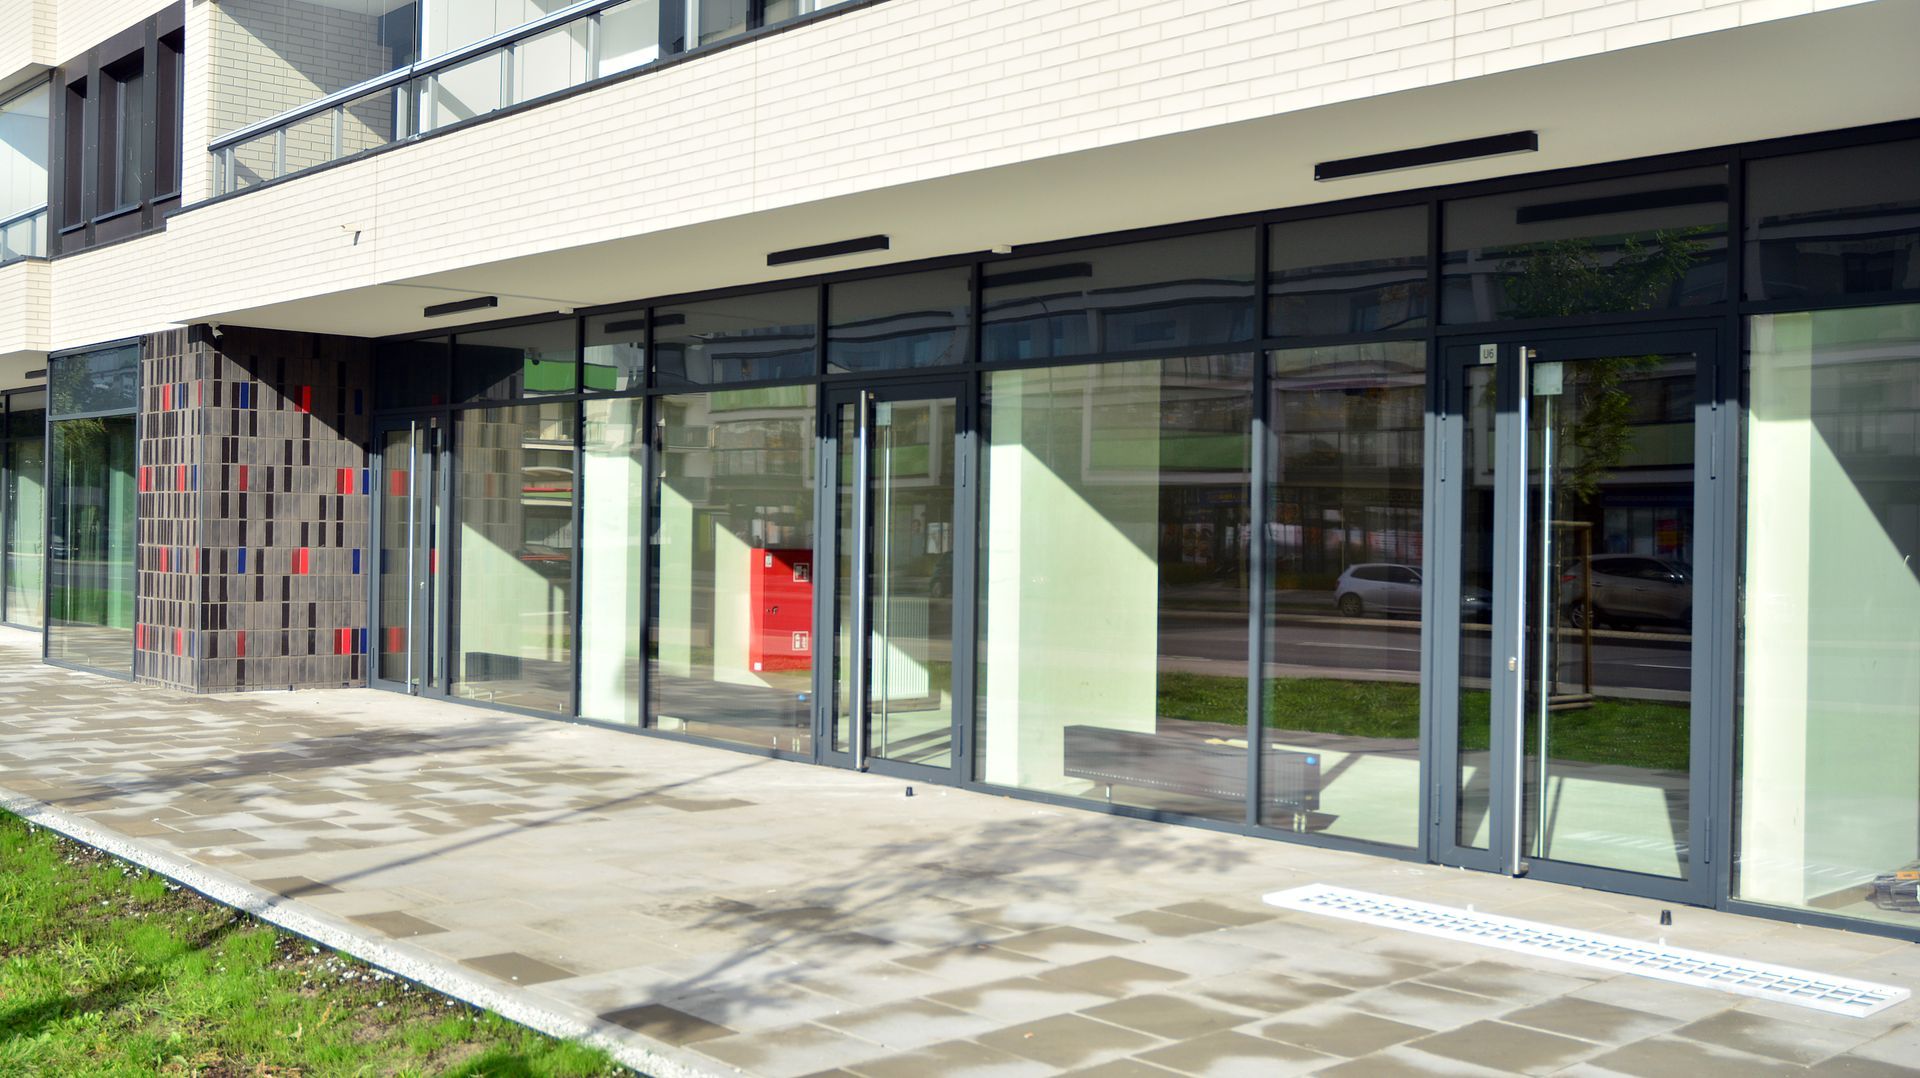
(700, 912)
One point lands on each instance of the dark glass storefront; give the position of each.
(1421, 524)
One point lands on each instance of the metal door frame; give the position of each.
(1714, 532)
(911, 386)
(432, 610)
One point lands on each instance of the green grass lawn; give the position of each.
(1631, 733)
(108, 970)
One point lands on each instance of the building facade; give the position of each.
(1477, 433)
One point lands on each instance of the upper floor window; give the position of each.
(119, 116)
(123, 127)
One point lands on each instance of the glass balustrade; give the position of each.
(550, 55)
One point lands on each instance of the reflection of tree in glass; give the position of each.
(1568, 277)
(84, 447)
(1562, 278)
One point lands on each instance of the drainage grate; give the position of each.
(1615, 953)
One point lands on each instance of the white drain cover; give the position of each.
(1615, 953)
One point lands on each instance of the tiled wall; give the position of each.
(253, 510)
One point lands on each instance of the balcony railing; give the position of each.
(568, 48)
(24, 235)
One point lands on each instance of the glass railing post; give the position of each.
(233, 171)
(279, 152)
(406, 109)
(339, 133)
(506, 75)
(593, 48)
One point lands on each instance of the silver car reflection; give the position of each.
(1628, 590)
(1387, 588)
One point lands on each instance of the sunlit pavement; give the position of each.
(715, 912)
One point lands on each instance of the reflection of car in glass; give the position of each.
(1378, 588)
(1386, 588)
(1628, 589)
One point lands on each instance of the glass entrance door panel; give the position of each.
(1473, 750)
(1572, 735)
(411, 522)
(897, 517)
(1607, 661)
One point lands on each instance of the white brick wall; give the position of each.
(894, 94)
(26, 307)
(82, 24)
(26, 39)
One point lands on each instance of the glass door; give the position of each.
(412, 525)
(1573, 731)
(895, 622)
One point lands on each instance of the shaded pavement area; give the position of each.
(710, 912)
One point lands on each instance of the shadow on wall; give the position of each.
(273, 55)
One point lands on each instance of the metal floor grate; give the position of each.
(1618, 954)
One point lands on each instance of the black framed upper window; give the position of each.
(1835, 223)
(1355, 273)
(1184, 292)
(516, 363)
(412, 374)
(901, 322)
(762, 337)
(1640, 243)
(616, 358)
(89, 383)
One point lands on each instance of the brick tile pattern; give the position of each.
(254, 511)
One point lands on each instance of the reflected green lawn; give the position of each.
(1629, 733)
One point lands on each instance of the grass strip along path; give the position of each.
(106, 969)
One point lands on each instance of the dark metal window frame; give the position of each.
(1725, 320)
(83, 213)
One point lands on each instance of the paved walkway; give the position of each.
(707, 912)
